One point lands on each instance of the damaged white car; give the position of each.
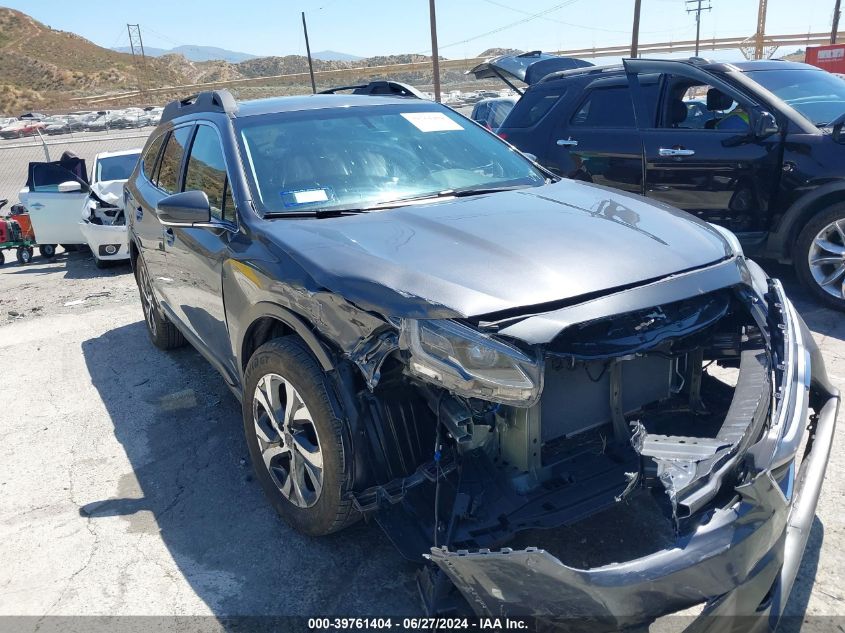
(565, 401)
(69, 209)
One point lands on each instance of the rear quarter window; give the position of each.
(532, 108)
(150, 157)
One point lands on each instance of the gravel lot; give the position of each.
(125, 487)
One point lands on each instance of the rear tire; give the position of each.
(47, 251)
(300, 454)
(2, 258)
(819, 256)
(162, 332)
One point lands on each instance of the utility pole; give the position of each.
(835, 28)
(761, 30)
(635, 35)
(697, 10)
(435, 56)
(136, 44)
(308, 50)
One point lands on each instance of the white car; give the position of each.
(65, 209)
(104, 221)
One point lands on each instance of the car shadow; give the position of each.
(191, 483)
(77, 265)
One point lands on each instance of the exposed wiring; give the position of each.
(601, 374)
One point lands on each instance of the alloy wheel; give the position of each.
(827, 259)
(288, 441)
(147, 297)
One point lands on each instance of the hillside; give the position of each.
(43, 68)
(194, 53)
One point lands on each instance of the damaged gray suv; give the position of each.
(564, 401)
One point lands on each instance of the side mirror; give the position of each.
(184, 209)
(69, 186)
(837, 129)
(766, 125)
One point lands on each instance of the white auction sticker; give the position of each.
(431, 121)
(310, 195)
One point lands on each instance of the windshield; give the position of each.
(115, 167)
(358, 157)
(816, 94)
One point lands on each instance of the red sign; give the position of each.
(831, 57)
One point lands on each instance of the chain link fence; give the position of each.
(16, 154)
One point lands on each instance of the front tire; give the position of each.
(820, 256)
(296, 438)
(24, 255)
(162, 332)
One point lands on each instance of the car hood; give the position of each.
(488, 253)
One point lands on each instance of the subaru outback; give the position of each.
(428, 331)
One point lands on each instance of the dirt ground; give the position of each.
(125, 487)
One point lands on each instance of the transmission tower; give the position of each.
(136, 44)
(697, 6)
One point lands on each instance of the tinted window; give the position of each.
(116, 167)
(207, 171)
(606, 107)
(48, 176)
(531, 108)
(151, 155)
(171, 159)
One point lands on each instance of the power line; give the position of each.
(565, 23)
(531, 17)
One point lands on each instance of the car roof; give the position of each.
(123, 152)
(743, 66)
(299, 103)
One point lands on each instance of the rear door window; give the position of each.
(171, 159)
(150, 157)
(609, 107)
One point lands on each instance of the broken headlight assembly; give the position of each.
(470, 364)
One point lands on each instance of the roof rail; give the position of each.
(380, 87)
(209, 101)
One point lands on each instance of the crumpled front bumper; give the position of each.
(741, 561)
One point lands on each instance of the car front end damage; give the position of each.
(609, 460)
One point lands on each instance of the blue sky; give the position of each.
(373, 27)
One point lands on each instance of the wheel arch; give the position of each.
(268, 321)
(782, 241)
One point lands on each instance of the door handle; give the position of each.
(37, 205)
(567, 142)
(672, 151)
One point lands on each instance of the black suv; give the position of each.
(428, 330)
(753, 146)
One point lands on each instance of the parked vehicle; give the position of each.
(104, 224)
(769, 164)
(492, 112)
(425, 328)
(21, 128)
(69, 209)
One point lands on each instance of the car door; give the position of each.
(718, 169)
(196, 254)
(56, 199)
(159, 181)
(595, 138)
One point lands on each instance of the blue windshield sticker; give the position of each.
(305, 196)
